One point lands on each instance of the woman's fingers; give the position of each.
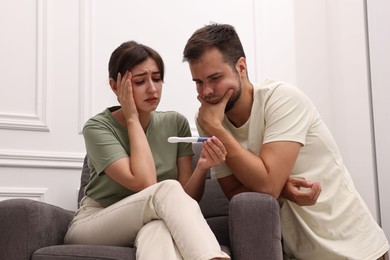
(219, 145)
(124, 87)
(215, 150)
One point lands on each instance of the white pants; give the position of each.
(161, 220)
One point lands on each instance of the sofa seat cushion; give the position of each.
(83, 252)
(89, 252)
(213, 202)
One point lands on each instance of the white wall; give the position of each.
(54, 76)
(332, 68)
(379, 47)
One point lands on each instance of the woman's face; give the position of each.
(147, 85)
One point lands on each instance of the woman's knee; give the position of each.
(172, 185)
(171, 189)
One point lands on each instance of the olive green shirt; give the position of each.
(106, 141)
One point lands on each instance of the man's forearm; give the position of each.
(247, 167)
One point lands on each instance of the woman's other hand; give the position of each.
(213, 153)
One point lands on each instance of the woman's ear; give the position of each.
(113, 86)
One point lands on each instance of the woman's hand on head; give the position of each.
(125, 95)
(213, 153)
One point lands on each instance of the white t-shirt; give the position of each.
(339, 226)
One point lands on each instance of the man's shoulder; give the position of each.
(270, 87)
(270, 84)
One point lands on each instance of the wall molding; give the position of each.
(37, 120)
(23, 122)
(28, 159)
(37, 194)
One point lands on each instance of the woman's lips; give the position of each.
(151, 100)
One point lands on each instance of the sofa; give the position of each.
(247, 227)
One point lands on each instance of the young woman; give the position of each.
(142, 190)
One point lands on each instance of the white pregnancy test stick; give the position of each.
(175, 139)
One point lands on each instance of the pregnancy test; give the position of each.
(175, 139)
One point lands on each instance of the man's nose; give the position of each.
(207, 90)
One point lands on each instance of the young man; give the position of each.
(272, 133)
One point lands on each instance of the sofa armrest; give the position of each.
(27, 225)
(254, 226)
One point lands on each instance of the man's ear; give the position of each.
(241, 66)
(113, 86)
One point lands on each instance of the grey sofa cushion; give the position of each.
(218, 205)
(215, 208)
(84, 179)
(27, 225)
(82, 252)
(259, 234)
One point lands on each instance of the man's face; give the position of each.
(214, 77)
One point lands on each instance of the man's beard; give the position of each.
(233, 99)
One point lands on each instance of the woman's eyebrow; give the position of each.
(140, 74)
(144, 73)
